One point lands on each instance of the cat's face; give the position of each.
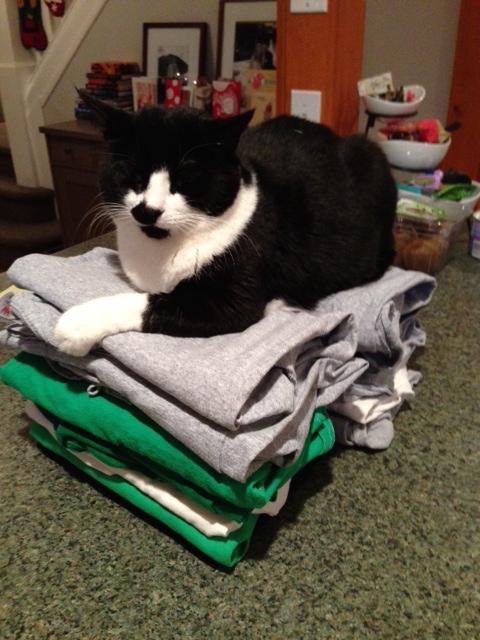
(170, 171)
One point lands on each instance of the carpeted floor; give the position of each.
(379, 546)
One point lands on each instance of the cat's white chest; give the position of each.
(154, 266)
(158, 266)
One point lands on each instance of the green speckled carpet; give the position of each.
(379, 546)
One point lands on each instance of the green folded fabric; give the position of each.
(226, 551)
(75, 439)
(129, 435)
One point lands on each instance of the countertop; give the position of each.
(370, 545)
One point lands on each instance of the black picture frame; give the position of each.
(183, 39)
(266, 11)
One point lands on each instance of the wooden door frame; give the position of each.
(322, 52)
(464, 101)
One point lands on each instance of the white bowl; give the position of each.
(382, 107)
(417, 156)
(456, 211)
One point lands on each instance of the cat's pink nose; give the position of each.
(146, 215)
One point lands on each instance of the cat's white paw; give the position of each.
(83, 326)
(276, 305)
(77, 331)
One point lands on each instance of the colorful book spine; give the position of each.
(109, 81)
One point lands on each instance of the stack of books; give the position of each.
(111, 82)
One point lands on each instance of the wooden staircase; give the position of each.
(27, 215)
(6, 164)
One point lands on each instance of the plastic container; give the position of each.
(423, 236)
(456, 211)
(422, 244)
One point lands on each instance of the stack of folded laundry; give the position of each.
(204, 434)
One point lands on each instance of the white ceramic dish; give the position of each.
(456, 211)
(381, 107)
(415, 156)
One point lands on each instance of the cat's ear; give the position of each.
(115, 123)
(229, 130)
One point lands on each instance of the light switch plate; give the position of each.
(308, 6)
(306, 104)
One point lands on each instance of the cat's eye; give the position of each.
(190, 178)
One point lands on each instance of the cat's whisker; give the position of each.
(186, 225)
(101, 213)
(99, 221)
(94, 225)
(252, 243)
(83, 220)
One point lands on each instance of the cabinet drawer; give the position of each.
(75, 153)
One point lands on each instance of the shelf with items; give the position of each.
(433, 205)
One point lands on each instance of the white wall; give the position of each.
(117, 35)
(415, 40)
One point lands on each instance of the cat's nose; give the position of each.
(144, 214)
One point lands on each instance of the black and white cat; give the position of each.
(213, 225)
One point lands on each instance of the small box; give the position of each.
(226, 98)
(144, 92)
(260, 94)
(202, 95)
(173, 92)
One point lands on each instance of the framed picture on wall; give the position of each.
(246, 37)
(174, 49)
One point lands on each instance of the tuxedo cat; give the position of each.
(213, 225)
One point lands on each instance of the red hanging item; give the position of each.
(56, 7)
(32, 33)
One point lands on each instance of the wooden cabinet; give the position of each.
(76, 149)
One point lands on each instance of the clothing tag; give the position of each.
(5, 297)
(375, 85)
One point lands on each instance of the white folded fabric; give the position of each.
(369, 409)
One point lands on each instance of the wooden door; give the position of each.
(322, 51)
(464, 106)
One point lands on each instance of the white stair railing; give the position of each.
(27, 85)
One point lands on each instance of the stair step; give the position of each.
(31, 236)
(6, 164)
(27, 215)
(4, 136)
(25, 204)
(4, 143)
(13, 191)
(20, 239)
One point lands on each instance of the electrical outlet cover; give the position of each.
(308, 6)
(306, 104)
